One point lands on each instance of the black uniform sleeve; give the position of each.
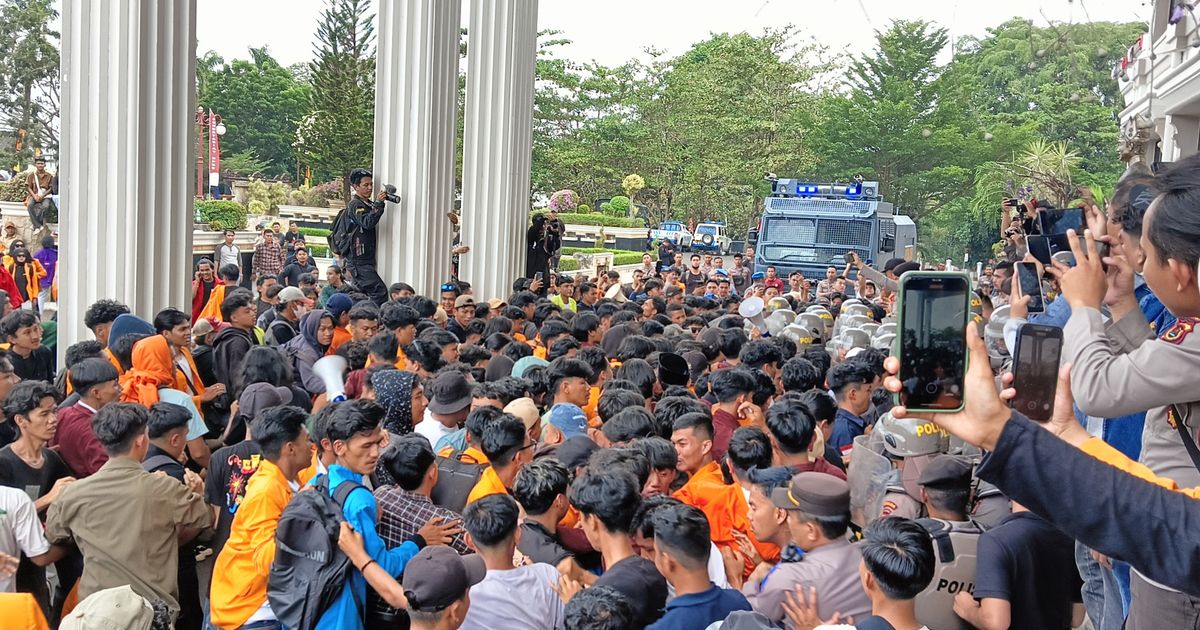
(369, 217)
(1155, 530)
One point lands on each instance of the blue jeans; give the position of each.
(1101, 596)
(257, 625)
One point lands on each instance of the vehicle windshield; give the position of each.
(706, 229)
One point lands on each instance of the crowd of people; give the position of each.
(592, 454)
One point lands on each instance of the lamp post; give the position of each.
(215, 131)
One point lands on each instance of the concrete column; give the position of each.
(498, 142)
(416, 79)
(128, 102)
(1183, 137)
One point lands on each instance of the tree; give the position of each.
(337, 134)
(29, 79)
(260, 103)
(632, 184)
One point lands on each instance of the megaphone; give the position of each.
(751, 308)
(330, 370)
(616, 294)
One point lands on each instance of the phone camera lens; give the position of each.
(931, 388)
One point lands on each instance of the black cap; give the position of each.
(814, 493)
(892, 263)
(946, 471)
(673, 369)
(449, 393)
(437, 577)
(575, 451)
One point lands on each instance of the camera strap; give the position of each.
(1189, 443)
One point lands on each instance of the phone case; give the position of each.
(899, 341)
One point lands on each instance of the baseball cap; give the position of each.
(338, 303)
(569, 419)
(758, 275)
(116, 608)
(892, 263)
(495, 303)
(575, 452)
(464, 300)
(451, 393)
(202, 327)
(814, 493)
(673, 369)
(293, 294)
(524, 363)
(526, 410)
(437, 577)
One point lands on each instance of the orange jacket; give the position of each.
(34, 272)
(725, 507)
(154, 367)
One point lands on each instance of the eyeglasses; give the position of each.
(449, 287)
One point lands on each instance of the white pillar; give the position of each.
(498, 142)
(415, 109)
(128, 102)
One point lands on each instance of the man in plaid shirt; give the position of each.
(268, 256)
(405, 506)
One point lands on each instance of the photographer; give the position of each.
(363, 215)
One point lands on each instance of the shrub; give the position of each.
(14, 189)
(564, 200)
(320, 251)
(617, 206)
(568, 264)
(221, 214)
(308, 196)
(320, 233)
(333, 189)
(256, 207)
(598, 219)
(584, 208)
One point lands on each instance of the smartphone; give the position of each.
(1031, 285)
(1039, 248)
(1012, 203)
(537, 276)
(1053, 221)
(931, 340)
(1035, 370)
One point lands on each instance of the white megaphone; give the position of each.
(752, 308)
(330, 370)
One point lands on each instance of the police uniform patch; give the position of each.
(1182, 328)
(889, 506)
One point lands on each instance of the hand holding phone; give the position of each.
(933, 312)
(1035, 368)
(1028, 282)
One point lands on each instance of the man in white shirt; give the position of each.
(227, 253)
(449, 403)
(21, 532)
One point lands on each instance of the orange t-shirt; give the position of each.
(488, 484)
(724, 505)
(341, 335)
(591, 409)
(20, 611)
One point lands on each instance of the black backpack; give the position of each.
(456, 479)
(309, 571)
(342, 233)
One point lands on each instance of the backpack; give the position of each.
(309, 571)
(456, 479)
(342, 233)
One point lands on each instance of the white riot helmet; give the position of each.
(910, 437)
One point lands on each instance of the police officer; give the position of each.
(909, 443)
(945, 486)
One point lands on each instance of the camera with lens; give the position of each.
(389, 193)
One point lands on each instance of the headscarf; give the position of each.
(125, 324)
(394, 391)
(308, 330)
(152, 368)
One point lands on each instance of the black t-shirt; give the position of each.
(540, 545)
(692, 281)
(39, 366)
(636, 578)
(1027, 562)
(36, 482)
(229, 471)
(8, 432)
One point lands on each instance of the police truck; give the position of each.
(811, 226)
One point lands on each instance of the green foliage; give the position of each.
(620, 256)
(616, 207)
(14, 189)
(320, 233)
(221, 215)
(597, 219)
(244, 162)
(270, 195)
(260, 103)
(29, 79)
(584, 208)
(632, 184)
(320, 251)
(257, 207)
(337, 133)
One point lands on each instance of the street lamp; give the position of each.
(215, 131)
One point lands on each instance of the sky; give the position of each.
(613, 31)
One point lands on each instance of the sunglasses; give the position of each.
(449, 287)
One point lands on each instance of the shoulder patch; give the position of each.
(889, 506)
(1182, 328)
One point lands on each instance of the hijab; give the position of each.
(394, 392)
(308, 329)
(152, 368)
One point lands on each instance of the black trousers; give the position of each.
(367, 279)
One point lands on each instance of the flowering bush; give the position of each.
(565, 200)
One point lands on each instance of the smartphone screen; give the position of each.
(1059, 221)
(1031, 285)
(1039, 248)
(933, 351)
(1035, 370)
